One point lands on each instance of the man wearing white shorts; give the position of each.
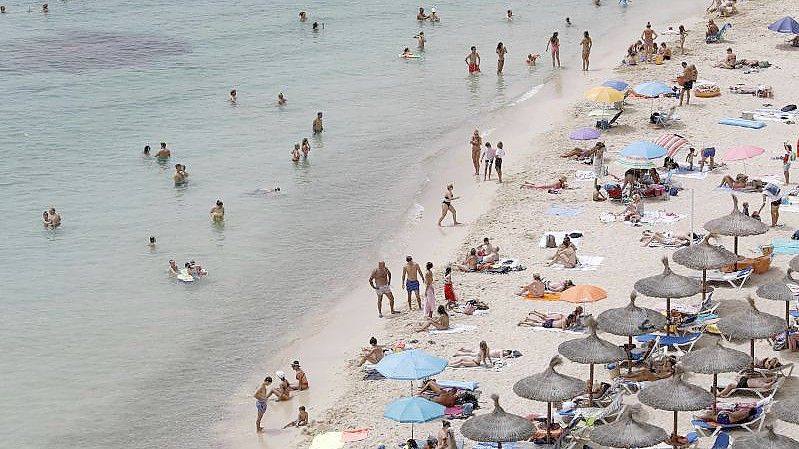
(380, 281)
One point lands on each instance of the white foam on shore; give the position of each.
(528, 95)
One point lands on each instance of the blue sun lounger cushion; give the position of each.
(754, 124)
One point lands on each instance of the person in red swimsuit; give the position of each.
(473, 60)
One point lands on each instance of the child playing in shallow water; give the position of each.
(302, 419)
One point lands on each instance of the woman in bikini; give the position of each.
(464, 360)
(554, 42)
(306, 147)
(502, 50)
(586, 44)
(683, 35)
(446, 206)
(549, 320)
(441, 323)
(565, 255)
(558, 185)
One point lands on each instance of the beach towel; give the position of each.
(548, 296)
(584, 175)
(660, 216)
(459, 384)
(742, 123)
(564, 211)
(785, 246)
(584, 263)
(455, 329)
(373, 374)
(696, 174)
(327, 440)
(575, 331)
(352, 435)
(559, 238)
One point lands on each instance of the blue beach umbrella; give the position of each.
(413, 410)
(785, 25)
(652, 89)
(413, 364)
(643, 149)
(619, 85)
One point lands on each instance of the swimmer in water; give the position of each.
(164, 152)
(45, 219)
(45, 8)
(276, 189)
(420, 40)
(406, 53)
(303, 16)
(315, 26)
(473, 60)
(281, 100)
(509, 15)
(317, 124)
(568, 22)
(146, 150)
(501, 52)
(421, 15)
(295, 153)
(54, 217)
(531, 58)
(232, 97)
(151, 245)
(173, 268)
(218, 212)
(180, 176)
(306, 148)
(433, 17)
(2, 9)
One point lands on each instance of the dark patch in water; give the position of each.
(80, 51)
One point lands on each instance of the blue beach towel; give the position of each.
(785, 246)
(754, 124)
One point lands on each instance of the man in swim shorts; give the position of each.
(473, 60)
(261, 395)
(380, 281)
(410, 281)
(689, 75)
(707, 157)
(317, 124)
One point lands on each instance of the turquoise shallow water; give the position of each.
(100, 347)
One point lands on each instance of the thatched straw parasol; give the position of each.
(794, 263)
(675, 395)
(766, 439)
(779, 291)
(750, 324)
(627, 432)
(715, 359)
(787, 410)
(549, 386)
(498, 426)
(591, 350)
(629, 321)
(668, 285)
(736, 224)
(704, 256)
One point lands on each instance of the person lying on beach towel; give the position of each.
(742, 182)
(667, 238)
(656, 371)
(534, 289)
(565, 255)
(560, 184)
(581, 154)
(492, 354)
(552, 320)
(448, 397)
(557, 287)
(439, 323)
(468, 359)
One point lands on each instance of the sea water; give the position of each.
(100, 347)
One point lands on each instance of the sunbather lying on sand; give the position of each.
(579, 153)
(741, 182)
(741, 414)
(558, 185)
(495, 353)
(662, 369)
(439, 323)
(468, 360)
(534, 289)
(440, 395)
(552, 320)
(667, 238)
(565, 255)
(755, 382)
(557, 287)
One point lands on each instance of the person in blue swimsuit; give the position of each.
(410, 280)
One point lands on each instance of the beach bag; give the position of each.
(575, 235)
(795, 235)
(789, 108)
(551, 241)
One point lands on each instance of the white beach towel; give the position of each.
(584, 263)
(498, 365)
(660, 216)
(690, 174)
(559, 238)
(455, 329)
(584, 175)
(557, 331)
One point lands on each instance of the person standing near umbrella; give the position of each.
(586, 44)
(598, 160)
(776, 201)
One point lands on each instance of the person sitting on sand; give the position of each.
(440, 323)
(728, 62)
(634, 210)
(373, 354)
(470, 263)
(712, 28)
(756, 382)
(282, 390)
(489, 259)
(531, 58)
(664, 51)
(558, 185)
(565, 255)
(534, 289)
(557, 287)
(299, 374)
(483, 358)
(485, 248)
(551, 320)
(302, 419)
(598, 195)
(667, 238)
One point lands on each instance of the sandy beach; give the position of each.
(535, 133)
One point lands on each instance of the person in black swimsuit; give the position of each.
(446, 206)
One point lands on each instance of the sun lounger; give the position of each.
(719, 35)
(601, 415)
(762, 393)
(667, 118)
(679, 343)
(739, 276)
(753, 424)
(784, 370)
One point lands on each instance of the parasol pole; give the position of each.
(715, 390)
(591, 385)
(735, 239)
(549, 420)
(668, 316)
(630, 354)
(674, 434)
(752, 351)
(704, 285)
(692, 217)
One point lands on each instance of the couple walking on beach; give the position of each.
(380, 281)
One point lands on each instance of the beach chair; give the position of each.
(753, 424)
(739, 276)
(784, 370)
(681, 344)
(764, 394)
(718, 36)
(602, 124)
(693, 442)
(668, 118)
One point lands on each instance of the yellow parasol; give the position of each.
(602, 94)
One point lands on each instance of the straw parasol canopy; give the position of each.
(787, 410)
(751, 324)
(630, 320)
(716, 359)
(779, 291)
(794, 263)
(549, 386)
(591, 350)
(628, 432)
(668, 285)
(704, 256)
(498, 426)
(675, 395)
(736, 224)
(766, 439)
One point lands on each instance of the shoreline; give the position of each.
(324, 365)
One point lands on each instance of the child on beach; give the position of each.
(690, 158)
(302, 419)
(449, 291)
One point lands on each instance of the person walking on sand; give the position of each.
(786, 162)
(554, 43)
(488, 156)
(380, 281)
(586, 44)
(317, 124)
(473, 61)
(502, 50)
(689, 76)
(648, 36)
(683, 35)
(261, 395)
(429, 291)
(410, 282)
(446, 206)
(477, 143)
(500, 153)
